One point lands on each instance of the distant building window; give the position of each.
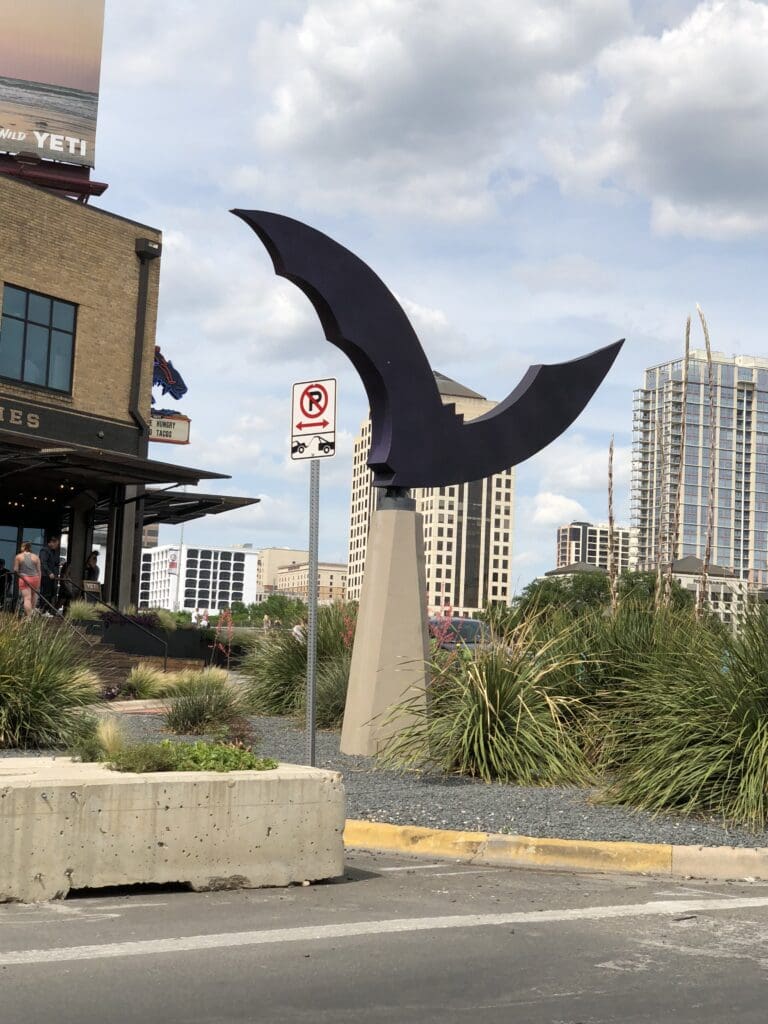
(37, 339)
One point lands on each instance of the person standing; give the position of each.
(66, 589)
(49, 575)
(91, 575)
(27, 566)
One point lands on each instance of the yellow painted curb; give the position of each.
(412, 839)
(723, 862)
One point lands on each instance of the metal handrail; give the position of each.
(45, 601)
(131, 622)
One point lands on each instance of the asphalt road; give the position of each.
(397, 941)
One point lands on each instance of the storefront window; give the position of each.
(37, 339)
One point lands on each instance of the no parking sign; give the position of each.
(313, 419)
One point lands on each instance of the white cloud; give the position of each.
(685, 123)
(572, 463)
(415, 107)
(551, 509)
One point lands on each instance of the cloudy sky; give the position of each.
(532, 179)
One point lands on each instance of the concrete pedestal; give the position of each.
(390, 659)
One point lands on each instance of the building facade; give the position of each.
(185, 577)
(293, 579)
(78, 298)
(728, 596)
(468, 528)
(269, 563)
(671, 443)
(588, 543)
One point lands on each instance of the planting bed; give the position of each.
(412, 798)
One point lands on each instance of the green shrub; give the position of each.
(188, 757)
(84, 611)
(690, 725)
(142, 683)
(43, 684)
(330, 694)
(203, 702)
(276, 663)
(145, 757)
(495, 713)
(166, 620)
(332, 682)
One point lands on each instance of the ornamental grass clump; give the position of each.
(44, 684)
(142, 683)
(204, 701)
(689, 725)
(497, 713)
(276, 664)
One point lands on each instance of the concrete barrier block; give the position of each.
(66, 825)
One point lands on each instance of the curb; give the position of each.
(721, 863)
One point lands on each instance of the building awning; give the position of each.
(181, 507)
(23, 464)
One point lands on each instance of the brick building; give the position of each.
(78, 294)
(331, 581)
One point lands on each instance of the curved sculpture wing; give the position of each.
(416, 440)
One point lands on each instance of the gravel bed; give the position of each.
(413, 798)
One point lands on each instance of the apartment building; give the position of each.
(588, 543)
(467, 527)
(671, 442)
(184, 577)
(331, 581)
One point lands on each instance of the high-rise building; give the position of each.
(271, 560)
(467, 527)
(587, 543)
(183, 577)
(668, 441)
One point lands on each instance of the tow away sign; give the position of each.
(313, 419)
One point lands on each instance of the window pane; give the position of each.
(36, 355)
(14, 301)
(64, 316)
(39, 309)
(11, 342)
(61, 360)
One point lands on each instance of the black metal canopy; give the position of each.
(175, 507)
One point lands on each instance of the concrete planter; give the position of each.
(130, 639)
(66, 825)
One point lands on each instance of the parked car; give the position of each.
(455, 632)
(298, 447)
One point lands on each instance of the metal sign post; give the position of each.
(313, 437)
(314, 519)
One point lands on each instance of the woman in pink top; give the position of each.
(27, 566)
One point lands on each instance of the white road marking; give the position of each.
(414, 867)
(318, 933)
(697, 892)
(473, 871)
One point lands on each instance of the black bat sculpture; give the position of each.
(417, 441)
